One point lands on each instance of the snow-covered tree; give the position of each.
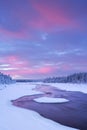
(5, 79)
(74, 78)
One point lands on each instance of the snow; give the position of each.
(14, 118)
(2, 86)
(70, 87)
(50, 100)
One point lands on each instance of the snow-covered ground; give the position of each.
(2, 86)
(70, 87)
(14, 118)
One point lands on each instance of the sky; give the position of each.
(43, 38)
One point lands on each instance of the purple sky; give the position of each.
(42, 38)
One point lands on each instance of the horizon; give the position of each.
(40, 39)
(45, 76)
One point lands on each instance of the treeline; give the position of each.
(28, 80)
(5, 79)
(24, 80)
(74, 78)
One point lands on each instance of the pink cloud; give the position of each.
(50, 17)
(14, 62)
(21, 72)
(22, 34)
(45, 70)
(13, 65)
(66, 67)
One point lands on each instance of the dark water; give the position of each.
(72, 113)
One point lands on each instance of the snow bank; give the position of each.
(50, 100)
(69, 87)
(14, 118)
